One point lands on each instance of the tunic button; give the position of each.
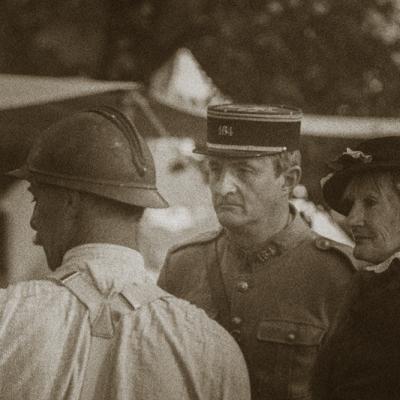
(273, 250)
(242, 286)
(236, 320)
(291, 336)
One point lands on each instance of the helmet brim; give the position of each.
(147, 197)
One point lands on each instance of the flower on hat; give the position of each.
(358, 155)
(349, 158)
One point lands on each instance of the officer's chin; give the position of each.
(366, 252)
(230, 218)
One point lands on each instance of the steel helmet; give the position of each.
(97, 151)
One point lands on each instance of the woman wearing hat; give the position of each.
(361, 359)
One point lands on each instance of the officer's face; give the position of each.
(50, 221)
(374, 217)
(245, 191)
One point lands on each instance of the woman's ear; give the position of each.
(292, 178)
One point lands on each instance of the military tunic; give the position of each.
(278, 303)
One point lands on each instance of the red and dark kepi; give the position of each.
(247, 130)
(381, 153)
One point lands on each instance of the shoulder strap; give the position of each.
(325, 244)
(201, 238)
(140, 295)
(98, 305)
(102, 327)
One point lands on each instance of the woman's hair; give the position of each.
(380, 179)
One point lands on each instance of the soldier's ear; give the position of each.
(292, 178)
(73, 202)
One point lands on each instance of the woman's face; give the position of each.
(374, 217)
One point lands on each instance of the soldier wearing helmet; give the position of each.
(265, 276)
(96, 328)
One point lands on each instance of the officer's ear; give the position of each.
(291, 179)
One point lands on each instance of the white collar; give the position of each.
(111, 266)
(384, 265)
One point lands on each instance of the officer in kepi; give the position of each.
(265, 276)
(96, 328)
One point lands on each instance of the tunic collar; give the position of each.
(286, 239)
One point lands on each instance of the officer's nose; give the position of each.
(356, 215)
(226, 183)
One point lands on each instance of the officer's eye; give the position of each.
(370, 201)
(245, 170)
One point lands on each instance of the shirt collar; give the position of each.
(286, 239)
(110, 266)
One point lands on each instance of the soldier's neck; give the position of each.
(254, 236)
(122, 234)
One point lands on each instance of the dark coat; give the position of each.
(361, 360)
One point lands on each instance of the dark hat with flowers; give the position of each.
(381, 153)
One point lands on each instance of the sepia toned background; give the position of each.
(162, 62)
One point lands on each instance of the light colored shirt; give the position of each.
(168, 349)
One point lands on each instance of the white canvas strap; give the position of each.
(102, 313)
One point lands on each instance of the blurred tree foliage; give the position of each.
(326, 56)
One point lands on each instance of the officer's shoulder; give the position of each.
(337, 250)
(199, 241)
(185, 262)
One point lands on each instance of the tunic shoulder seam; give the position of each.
(201, 239)
(324, 244)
